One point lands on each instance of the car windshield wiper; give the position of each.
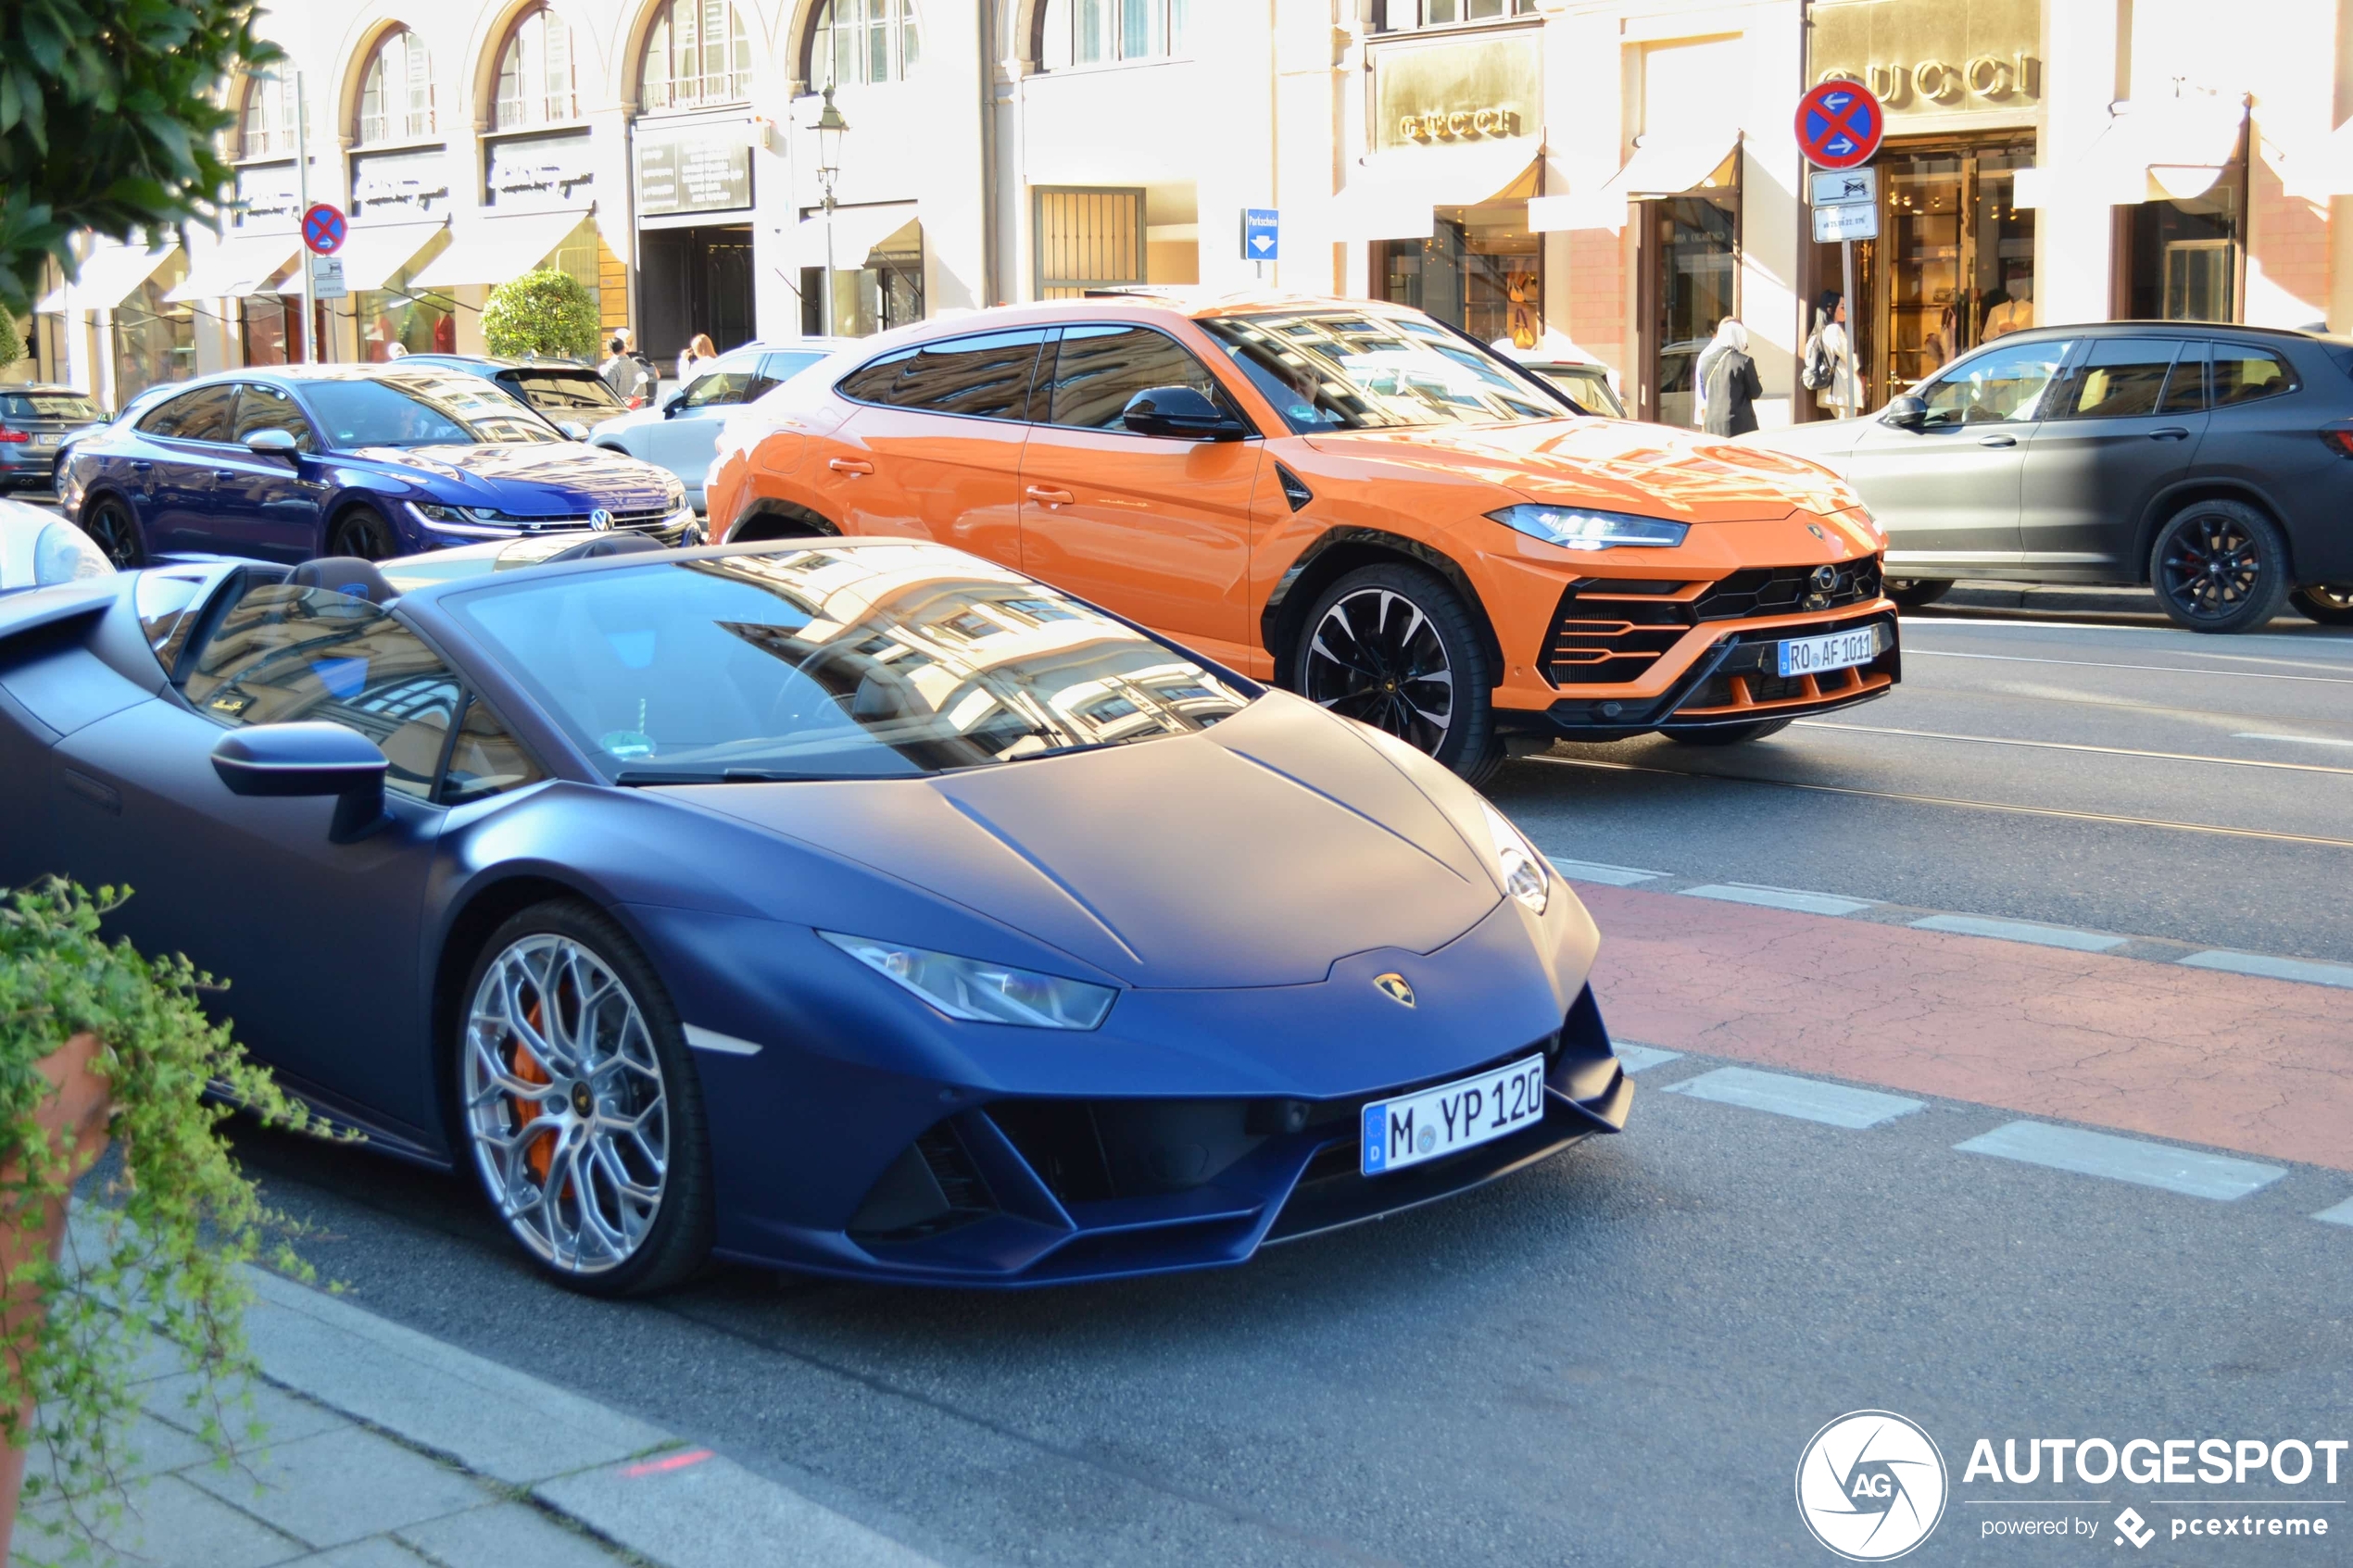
(635, 777)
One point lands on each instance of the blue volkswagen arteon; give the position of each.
(290, 462)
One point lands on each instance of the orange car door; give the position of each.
(933, 451)
(1155, 528)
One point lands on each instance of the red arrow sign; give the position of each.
(1840, 124)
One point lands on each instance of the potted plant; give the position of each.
(544, 313)
(100, 1043)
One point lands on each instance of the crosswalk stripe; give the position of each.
(2186, 1170)
(2022, 931)
(1809, 1099)
(1779, 898)
(2305, 970)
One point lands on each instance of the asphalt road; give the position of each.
(1618, 1357)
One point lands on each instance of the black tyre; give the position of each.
(2220, 566)
(2331, 604)
(1729, 735)
(1393, 647)
(581, 1105)
(109, 523)
(1914, 592)
(363, 532)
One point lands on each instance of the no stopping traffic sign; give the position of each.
(1839, 125)
(323, 228)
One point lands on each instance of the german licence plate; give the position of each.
(1840, 650)
(1431, 1124)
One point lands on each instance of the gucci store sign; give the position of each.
(1923, 57)
(708, 171)
(1464, 92)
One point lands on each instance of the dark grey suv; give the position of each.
(2213, 463)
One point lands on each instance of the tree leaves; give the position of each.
(110, 111)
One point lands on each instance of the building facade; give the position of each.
(1604, 178)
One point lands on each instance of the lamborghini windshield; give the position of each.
(1345, 370)
(876, 662)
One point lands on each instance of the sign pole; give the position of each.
(302, 179)
(1846, 298)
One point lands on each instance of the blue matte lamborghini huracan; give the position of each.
(859, 907)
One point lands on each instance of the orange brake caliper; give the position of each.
(526, 1067)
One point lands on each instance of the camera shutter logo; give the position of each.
(1872, 1486)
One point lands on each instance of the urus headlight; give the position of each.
(1580, 528)
(1526, 875)
(979, 992)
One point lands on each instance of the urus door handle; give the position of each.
(1998, 440)
(1041, 493)
(2169, 432)
(850, 465)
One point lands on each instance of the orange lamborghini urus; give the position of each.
(1348, 499)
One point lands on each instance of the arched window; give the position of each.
(1091, 32)
(696, 54)
(395, 96)
(863, 41)
(267, 128)
(537, 79)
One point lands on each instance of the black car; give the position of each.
(564, 390)
(34, 421)
(2213, 463)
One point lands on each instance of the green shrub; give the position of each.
(11, 340)
(547, 313)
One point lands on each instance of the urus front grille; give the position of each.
(1610, 630)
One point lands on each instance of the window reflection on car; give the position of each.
(2000, 385)
(417, 411)
(811, 664)
(1348, 372)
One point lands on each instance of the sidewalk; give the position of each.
(386, 1449)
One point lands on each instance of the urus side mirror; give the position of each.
(1180, 412)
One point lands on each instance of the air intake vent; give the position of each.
(1294, 488)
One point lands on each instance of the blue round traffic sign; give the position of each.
(323, 228)
(1840, 124)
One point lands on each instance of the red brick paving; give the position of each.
(2264, 1067)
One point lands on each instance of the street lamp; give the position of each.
(829, 128)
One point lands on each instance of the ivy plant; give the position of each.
(164, 1251)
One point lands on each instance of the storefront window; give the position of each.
(1480, 270)
(154, 339)
(2184, 263)
(885, 292)
(1693, 284)
(269, 329)
(417, 323)
(1954, 266)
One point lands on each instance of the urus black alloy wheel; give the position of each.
(1376, 657)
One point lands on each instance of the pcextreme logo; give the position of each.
(1870, 1485)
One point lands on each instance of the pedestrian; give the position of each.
(1829, 372)
(629, 373)
(698, 349)
(1700, 367)
(1731, 381)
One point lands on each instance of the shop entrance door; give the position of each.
(1954, 266)
(694, 280)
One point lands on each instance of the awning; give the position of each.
(241, 265)
(110, 275)
(373, 254)
(492, 250)
(1392, 195)
(857, 232)
(2161, 149)
(1656, 169)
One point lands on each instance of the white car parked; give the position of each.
(680, 431)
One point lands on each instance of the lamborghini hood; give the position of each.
(1257, 853)
(1616, 464)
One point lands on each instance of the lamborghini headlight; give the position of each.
(1581, 528)
(1526, 875)
(980, 992)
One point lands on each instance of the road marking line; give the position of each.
(1809, 1099)
(2153, 668)
(1779, 898)
(2102, 750)
(2184, 1171)
(2340, 1214)
(1943, 800)
(2022, 931)
(1641, 1059)
(2305, 970)
(2292, 740)
(1596, 870)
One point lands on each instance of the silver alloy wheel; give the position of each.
(1376, 657)
(564, 1100)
